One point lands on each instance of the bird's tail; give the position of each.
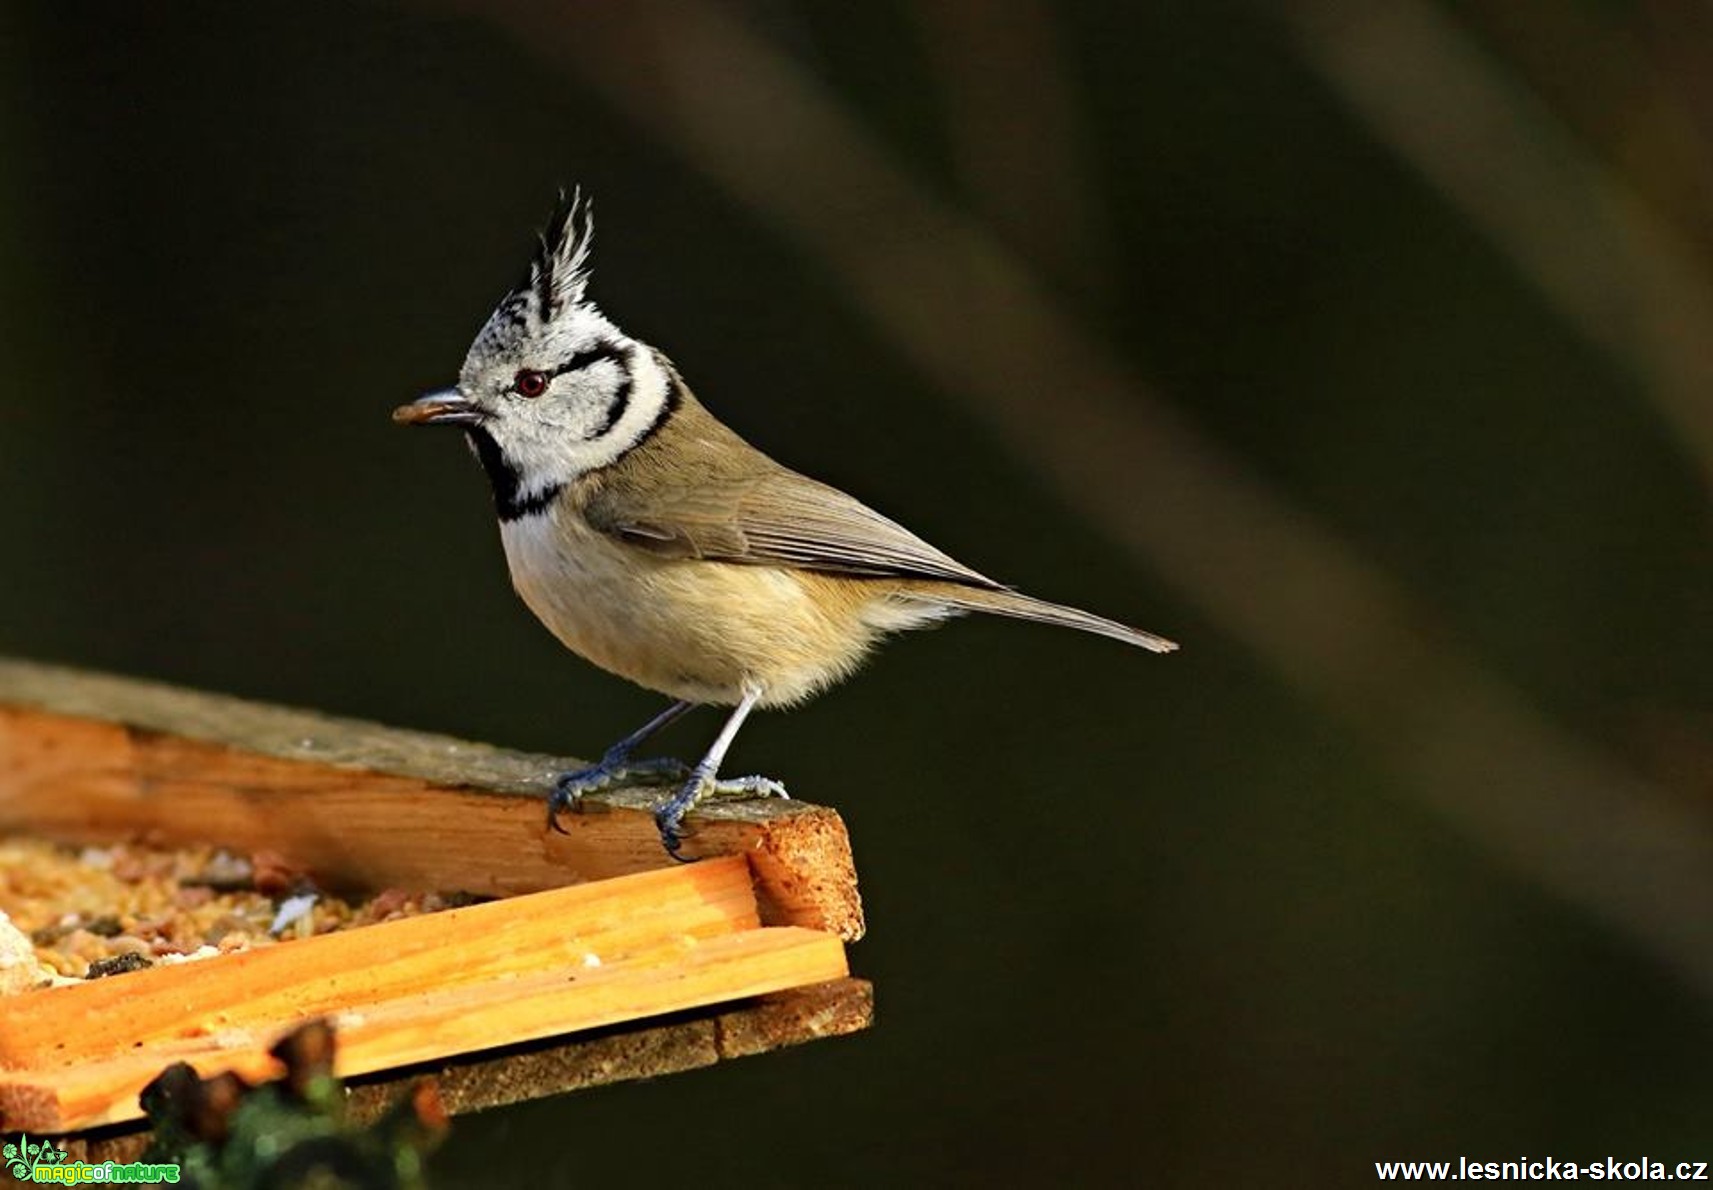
(1001, 602)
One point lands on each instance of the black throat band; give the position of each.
(509, 502)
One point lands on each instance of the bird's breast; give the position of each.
(691, 628)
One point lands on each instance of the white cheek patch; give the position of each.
(606, 393)
(620, 417)
(586, 405)
(551, 441)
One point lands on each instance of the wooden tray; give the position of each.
(604, 961)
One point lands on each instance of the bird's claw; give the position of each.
(569, 789)
(672, 837)
(669, 815)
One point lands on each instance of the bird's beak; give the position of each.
(446, 407)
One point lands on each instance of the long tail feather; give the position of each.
(1026, 607)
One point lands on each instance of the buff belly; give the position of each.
(694, 629)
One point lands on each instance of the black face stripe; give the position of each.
(602, 350)
(674, 399)
(509, 503)
(616, 410)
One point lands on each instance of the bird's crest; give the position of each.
(554, 284)
(559, 271)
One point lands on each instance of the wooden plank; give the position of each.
(421, 1028)
(582, 930)
(91, 758)
(669, 1045)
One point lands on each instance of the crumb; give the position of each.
(117, 965)
(273, 875)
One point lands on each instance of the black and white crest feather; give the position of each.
(554, 283)
(559, 272)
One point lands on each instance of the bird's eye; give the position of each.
(529, 383)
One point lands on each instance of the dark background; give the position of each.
(1362, 348)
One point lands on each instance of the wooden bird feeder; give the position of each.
(602, 960)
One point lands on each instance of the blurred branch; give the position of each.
(1598, 252)
(971, 317)
(1593, 67)
(1012, 112)
(1677, 35)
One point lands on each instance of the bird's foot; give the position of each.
(704, 786)
(614, 769)
(745, 789)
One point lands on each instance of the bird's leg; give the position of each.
(616, 765)
(704, 781)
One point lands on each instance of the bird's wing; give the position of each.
(767, 516)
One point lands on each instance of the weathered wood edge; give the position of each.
(798, 851)
(668, 1045)
(289, 733)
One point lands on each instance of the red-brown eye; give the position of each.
(529, 383)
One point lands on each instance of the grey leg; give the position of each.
(704, 782)
(617, 766)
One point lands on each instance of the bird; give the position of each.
(654, 541)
